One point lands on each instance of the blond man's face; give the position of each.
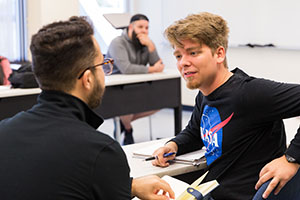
(196, 63)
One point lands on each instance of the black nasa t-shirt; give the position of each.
(240, 123)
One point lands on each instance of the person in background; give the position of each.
(5, 71)
(237, 117)
(53, 150)
(134, 53)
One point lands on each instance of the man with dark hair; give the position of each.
(53, 150)
(132, 52)
(238, 118)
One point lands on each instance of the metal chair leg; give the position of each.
(150, 127)
(117, 131)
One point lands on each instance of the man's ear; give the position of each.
(87, 80)
(221, 54)
(130, 26)
(129, 30)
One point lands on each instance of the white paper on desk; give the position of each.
(177, 186)
(5, 87)
(148, 151)
(194, 155)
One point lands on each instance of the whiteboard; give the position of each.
(254, 21)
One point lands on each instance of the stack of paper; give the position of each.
(192, 158)
(197, 190)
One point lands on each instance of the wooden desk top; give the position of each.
(140, 168)
(117, 79)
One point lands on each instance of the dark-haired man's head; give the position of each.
(61, 51)
(139, 24)
(137, 17)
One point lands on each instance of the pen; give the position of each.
(165, 155)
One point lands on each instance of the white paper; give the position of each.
(149, 150)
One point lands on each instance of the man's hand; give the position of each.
(161, 160)
(280, 171)
(157, 67)
(145, 40)
(148, 187)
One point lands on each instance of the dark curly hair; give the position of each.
(60, 51)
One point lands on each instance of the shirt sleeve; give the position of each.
(270, 101)
(117, 50)
(189, 139)
(111, 174)
(153, 57)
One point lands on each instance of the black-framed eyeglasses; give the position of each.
(107, 67)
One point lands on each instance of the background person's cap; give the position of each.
(137, 17)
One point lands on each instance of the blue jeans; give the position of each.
(291, 191)
(208, 197)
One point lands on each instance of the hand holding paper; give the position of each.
(195, 191)
(151, 187)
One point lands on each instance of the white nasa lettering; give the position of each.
(215, 140)
(201, 132)
(204, 132)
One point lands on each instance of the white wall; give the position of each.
(42, 12)
(277, 64)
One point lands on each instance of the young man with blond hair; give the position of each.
(238, 118)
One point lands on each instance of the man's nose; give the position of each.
(145, 31)
(184, 61)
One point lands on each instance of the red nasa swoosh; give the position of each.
(216, 128)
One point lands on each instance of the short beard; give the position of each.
(136, 42)
(192, 85)
(95, 98)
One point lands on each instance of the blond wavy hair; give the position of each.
(203, 28)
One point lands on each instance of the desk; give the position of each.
(139, 167)
(124, 94)
(15, 100)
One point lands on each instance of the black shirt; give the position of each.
(240, 123)
(53, 152)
